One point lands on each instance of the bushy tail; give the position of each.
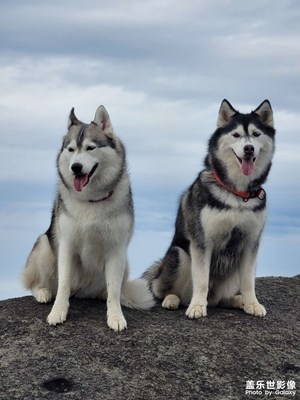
(136, 294)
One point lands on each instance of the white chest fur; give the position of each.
(218, 224)
(94, 230)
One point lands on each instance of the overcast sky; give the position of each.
(161, 68)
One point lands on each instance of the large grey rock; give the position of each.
(162, 354)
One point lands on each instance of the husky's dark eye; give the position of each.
(236, 135)
(256, 134)
(70, 149)
(91, 148)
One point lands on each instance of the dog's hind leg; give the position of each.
(182, 286)
(224, 293)
(232, 302)
(172, 279)
(171, 302)
(39, 274)
(42, 295)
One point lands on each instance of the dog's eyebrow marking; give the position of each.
(100, 143)
(80, 136)
(106, 141)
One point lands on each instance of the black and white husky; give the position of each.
(84, 251)
(212, 257)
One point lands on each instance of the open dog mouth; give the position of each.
(82, 180)
(247, 164)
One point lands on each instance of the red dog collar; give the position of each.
(260, 193)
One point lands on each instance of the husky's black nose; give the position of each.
(76, 168)
(248, 150)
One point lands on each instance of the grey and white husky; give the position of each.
(84, 251)
(212, 257)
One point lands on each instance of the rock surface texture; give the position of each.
(162, 354)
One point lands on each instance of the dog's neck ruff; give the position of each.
(103, 198)
(260, 193)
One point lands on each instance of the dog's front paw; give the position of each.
(171, 302)
(256, 309)
(57, 316)
(116, 322)
(196, 311)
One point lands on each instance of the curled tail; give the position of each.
(136, 294)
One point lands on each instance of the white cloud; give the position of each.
(26, 165)
(252, 47)
(36, 114)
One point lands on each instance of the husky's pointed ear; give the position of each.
(102, 118)
(72, 119)
(265, 113)
(226, 112)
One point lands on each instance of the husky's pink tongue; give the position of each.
(247, 167)
(80, 182)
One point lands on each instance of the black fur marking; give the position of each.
(180, 239)
(122, 170)
(244, 120)
(65, 143)
(130, 202)
(268, 130)
(255, 184)
(111, 142)
(93, 170)
(73, 118)
(36, 243)
(100, 143)
(59, 173)
(220, 169)
(63, 180)
(105, 142)
(226, 260)
(58, 207)
(260, 206)
(167, 271)
(200, 196)
(80, 136)
(50, 231)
